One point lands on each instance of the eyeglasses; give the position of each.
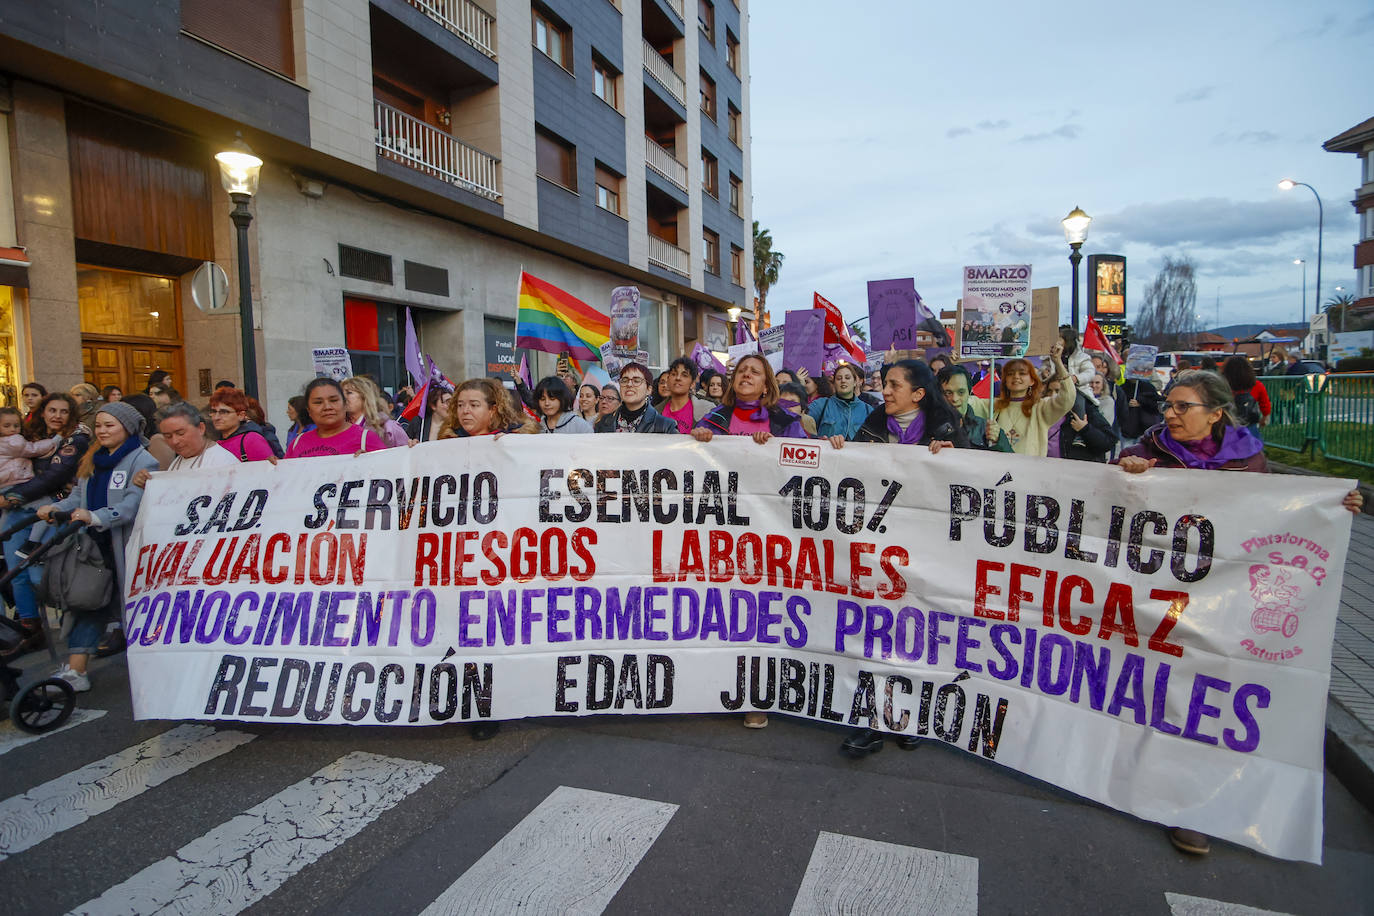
(609, 397)
(631, 380)
(1180, 406)
(222, 412)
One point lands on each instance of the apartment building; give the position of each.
(1359, 140)
(417, 153)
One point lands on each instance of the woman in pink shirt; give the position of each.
(241, 436)
(333, 433)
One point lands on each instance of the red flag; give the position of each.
(836, 331)
(1094, 339)
(416, 404)
(984, 387)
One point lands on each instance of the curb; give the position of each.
(1350, 752)
(1365, 489)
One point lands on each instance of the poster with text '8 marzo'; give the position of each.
(1157, 642)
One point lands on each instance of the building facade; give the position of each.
(1360, 141)
(417, 153)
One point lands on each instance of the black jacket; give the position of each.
(418, 427)
(53, 474)
(1135, 420)
(1094, 441)
(780, 422)
(976, 428)
(874, 429)
(651, 421)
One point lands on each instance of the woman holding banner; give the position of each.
(632, 412)
(554, 400)
(480, 407)
(1020, 410)
(367, 406)
(1200, 431)
(333, 434)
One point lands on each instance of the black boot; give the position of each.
(112, 643)
(862, 742)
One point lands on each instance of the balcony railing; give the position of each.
(665, 163)
(465, 19)
(677, 8)
(661, 70)
(666, 254)
(428, 149)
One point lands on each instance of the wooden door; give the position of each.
(129, 365)
(103, 365)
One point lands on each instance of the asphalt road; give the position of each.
(668, 814)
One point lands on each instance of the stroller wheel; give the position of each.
(43, 706)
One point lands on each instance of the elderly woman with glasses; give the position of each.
(1200, 431)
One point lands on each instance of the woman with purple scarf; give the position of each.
(1201, 431)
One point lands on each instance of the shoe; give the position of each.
(1189, 841)
(80, 682)
(863, 742)
(756, 720)
(34, 639)
(484, 731)
(112, 643)
(908, 742)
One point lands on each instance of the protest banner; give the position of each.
(625, 321)
(1100, 631)
(332, 362)
(892, 313)
(995, 311)
(1140, 362)
(741, 349)
(804, 340)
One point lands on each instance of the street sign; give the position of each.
(210, 288)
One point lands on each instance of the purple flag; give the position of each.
(705, 359)
(415, 362)
(743, 333)
(525, 371)
(803, 342)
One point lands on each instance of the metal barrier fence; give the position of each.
(1330, 413)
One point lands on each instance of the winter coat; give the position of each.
(837, 417)
(1029, 435)
(1151, 446)
(1133, 421)
(780, 422)
(874, 429)
(976, 428)
(1094, 441)
(570, 422)
(121, 503)
(651, 421)
(52, 474)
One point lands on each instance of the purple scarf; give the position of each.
(912, 435)
(757, 412)
(1237, 444)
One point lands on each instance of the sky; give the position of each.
(897, 138)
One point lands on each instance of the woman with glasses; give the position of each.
(634, 413)
(1200, 431)
(229, 416)
(607, 404)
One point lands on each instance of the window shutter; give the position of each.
(259, 30)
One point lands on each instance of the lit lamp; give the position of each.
(1289, 184)
(238, 173)
(1076, 233)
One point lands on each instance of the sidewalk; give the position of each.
(1350, 715)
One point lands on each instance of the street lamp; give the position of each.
(1289, 184)
(238, 173)
(1303, 262)
(1076, 233)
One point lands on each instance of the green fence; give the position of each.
(1330, 413)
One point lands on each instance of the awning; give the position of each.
(14, 267)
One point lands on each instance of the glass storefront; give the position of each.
(10, 382)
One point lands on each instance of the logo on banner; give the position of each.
(799, 456)
(1279, 589)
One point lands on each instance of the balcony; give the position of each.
(668, 255)
(664, 163)
(465, 19)
(411, 142)
(663, 72)
(677, 8)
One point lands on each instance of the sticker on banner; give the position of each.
(799, 456)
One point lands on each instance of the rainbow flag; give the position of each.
(555, 322)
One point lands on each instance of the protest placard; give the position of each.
(892, 313)
(1140, 362)
(1099, 632)
(804, 340)
(995, 311)
(624, 321)
(332, 362)
(741, 349)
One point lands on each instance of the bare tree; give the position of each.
(1168, 315)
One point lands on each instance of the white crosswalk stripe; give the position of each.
(248, 857)
(571, 854)
(1184, 905)
(12, 737)
(71, 799)
(852, 875)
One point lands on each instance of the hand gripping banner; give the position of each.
(1160, 643)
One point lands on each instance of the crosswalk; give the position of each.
(572, 853)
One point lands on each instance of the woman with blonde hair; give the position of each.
(88, 401)
(481, 407)
(368, 407)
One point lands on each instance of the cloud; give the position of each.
(1062, 132)
(1201, 93)
(1210, 221)
(1364, 24)
(958, 131)
(1002, 124)
(1247, 137)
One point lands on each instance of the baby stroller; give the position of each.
(47, 703)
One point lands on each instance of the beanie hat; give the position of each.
(127, 415)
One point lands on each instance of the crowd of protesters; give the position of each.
(89, 452)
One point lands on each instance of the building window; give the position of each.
(736, 195)
(1367, 220)
(1366, 282)
(555, 159)
(710, 174)
(732, 52)
(553, 38)
(710, 251)
(733, 120)
(606, 82)
(608, 186)
(706, 19)
(708, 96)
(737, 265)
(264, 37)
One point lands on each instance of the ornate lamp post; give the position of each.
(238, 173)
(1076, 233)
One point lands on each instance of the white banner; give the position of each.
(1159, 643)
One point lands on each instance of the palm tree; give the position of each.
(767, 263)
(1340, 300)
